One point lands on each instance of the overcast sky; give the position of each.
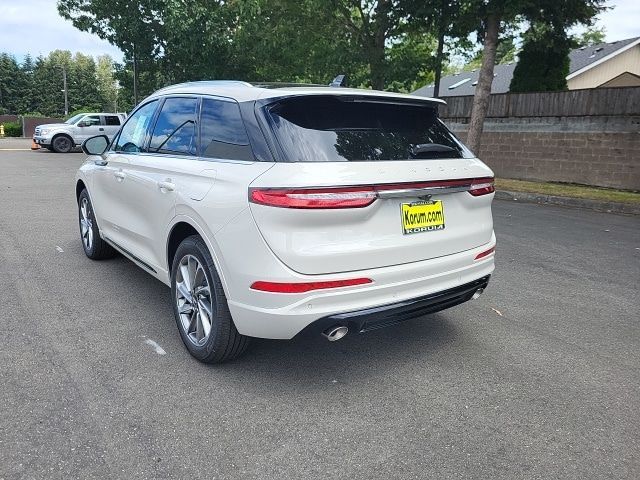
(34, 26)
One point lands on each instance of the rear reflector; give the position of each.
(275, 287)
(362, 196)
(486, 253)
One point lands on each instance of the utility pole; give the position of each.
(66, 92)
(135, 76)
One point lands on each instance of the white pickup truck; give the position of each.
(62, 137)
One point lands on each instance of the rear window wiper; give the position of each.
(427, 148)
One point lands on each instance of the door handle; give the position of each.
(166, 186)
(101, 163)
(119, 175)
(101, 129)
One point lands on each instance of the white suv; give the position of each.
(272, 210)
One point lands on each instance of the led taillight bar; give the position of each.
(350, 197)
(363, 196)
(302, 287)
(482, 186)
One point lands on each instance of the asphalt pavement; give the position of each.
(539, 378)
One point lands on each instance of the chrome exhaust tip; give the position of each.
(335, 333)
(477, 293)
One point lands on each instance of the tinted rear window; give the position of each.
(335, 129)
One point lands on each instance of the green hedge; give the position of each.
(12, 129)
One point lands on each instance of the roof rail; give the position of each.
(284, 84)
(237, 83)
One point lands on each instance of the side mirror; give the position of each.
(95, 145)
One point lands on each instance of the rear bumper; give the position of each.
(397, 293)
(391, 314)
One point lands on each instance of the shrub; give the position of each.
(12, 129)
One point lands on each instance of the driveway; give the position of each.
(539, 378)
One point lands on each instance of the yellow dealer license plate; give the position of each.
(422, 217)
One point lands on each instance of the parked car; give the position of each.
(271, 211)
(62, 137)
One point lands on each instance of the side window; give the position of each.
(133, 133)
(111, 120)
(175, 130)
(90, 120)
(222, 132)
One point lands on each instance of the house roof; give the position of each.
(581, 59)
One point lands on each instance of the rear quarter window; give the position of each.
(336, 129)
(222, 131)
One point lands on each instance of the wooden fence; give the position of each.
(571, 103)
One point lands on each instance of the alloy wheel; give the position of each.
(193, 300)
(86, 224)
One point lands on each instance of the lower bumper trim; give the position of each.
(391, 314)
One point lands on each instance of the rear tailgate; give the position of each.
(380, 234)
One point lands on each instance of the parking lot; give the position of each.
(538, 378)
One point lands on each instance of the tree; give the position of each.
(505, 53)
(485, 79)
(106, 83)
(544, 60)
(9, 71)
(371, 24)
(27, 96)
(493, 14)
(442, 20)
(591, 36)
(135, 26)
(83, 86)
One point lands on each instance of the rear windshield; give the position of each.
(336, 129)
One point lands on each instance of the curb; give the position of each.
(597, 205)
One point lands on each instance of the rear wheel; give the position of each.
(200, 305)
(62, 144)
(94, 246)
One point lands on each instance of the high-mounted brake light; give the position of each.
(302, 287)
(363, 196)
(482, 186)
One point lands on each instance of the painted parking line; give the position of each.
(15, 149)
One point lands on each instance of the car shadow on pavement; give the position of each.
(310, 361)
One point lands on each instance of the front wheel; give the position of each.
(200, 305)
(62, 144)
(94, 246)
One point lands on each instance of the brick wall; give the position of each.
(603, 159)
(599, 144)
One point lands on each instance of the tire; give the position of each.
(62, 144)
(198, 296)
(94, 246)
